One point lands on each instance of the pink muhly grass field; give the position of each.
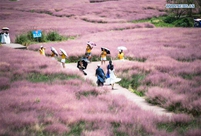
(60, 108)
(56, 109)
(169, 58)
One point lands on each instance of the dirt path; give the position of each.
(140, 101)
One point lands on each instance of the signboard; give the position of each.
(37, 33)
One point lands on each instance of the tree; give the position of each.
(178, 12)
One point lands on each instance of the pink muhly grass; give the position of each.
(180, 119)
(103, 132)
(4, 83)
(57, 128)
(193, 132)
(159, 95)
(13, 120)
(195, 106)
(4, 66)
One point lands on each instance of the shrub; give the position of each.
(184, 22)
(54, 36)
(23, 39)
(169, 19)
(27, 38)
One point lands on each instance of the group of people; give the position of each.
(108, 78)
(102, 78)
(55, 53)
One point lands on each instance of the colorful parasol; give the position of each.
(121, 48)
(64, 52)
(91, 44)
(106, 49)
(54, 51)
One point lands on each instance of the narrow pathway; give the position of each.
(140, 101)
(14, 46)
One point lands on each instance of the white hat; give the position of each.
(98, 65)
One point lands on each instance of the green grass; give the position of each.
(174, 107)
(157, 21)
(86, 94)
(139, 93)
(116, 132)
(77, 129)
(180, 127)
(168, 21)
(38, 77)
(133, 83)
(4, 87)
(27, 38)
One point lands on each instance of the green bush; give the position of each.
(184, 22)
(54, 36)
(181, 22)
(169, 19)
(23, 39)
(27, 38)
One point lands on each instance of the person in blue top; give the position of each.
(100, 75)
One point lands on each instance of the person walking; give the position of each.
(63, 57)
(82, 65)
(100, 75)
(88, 50)
(103, 56)
(112, 79)
(54, 52)
(108, 67)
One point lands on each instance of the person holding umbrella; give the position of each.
(121, 55)
(42, 50)
(63, 57)
(88, 49)
(103, 56)
(54, 52)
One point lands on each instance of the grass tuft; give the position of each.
(38, 77)
(133, 83)
(27, 38)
